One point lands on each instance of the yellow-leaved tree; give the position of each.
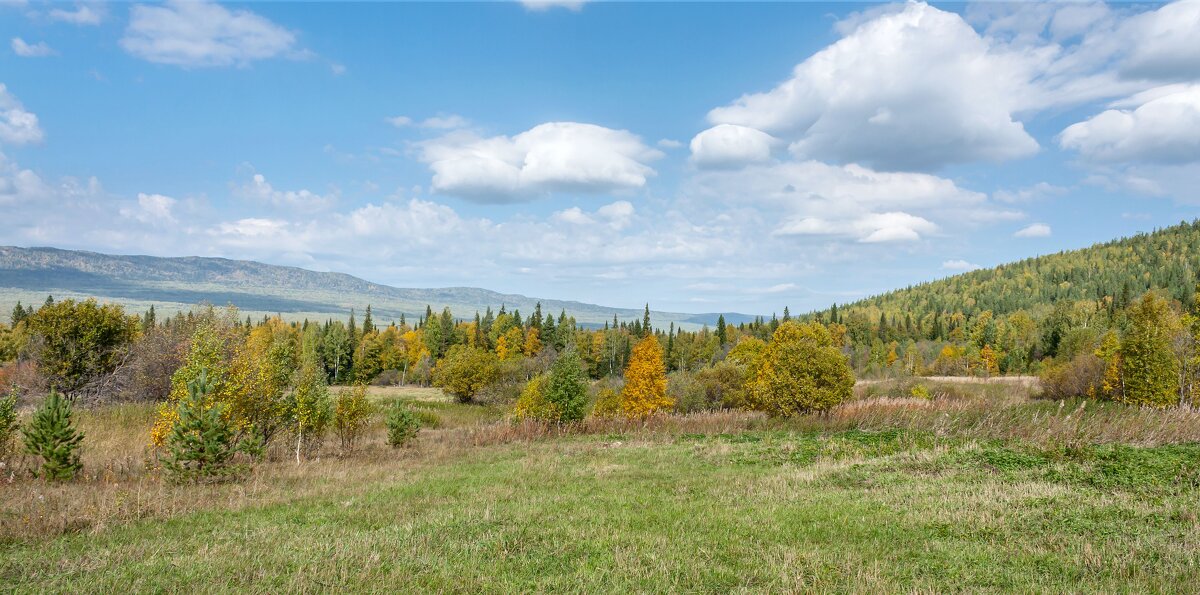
(801, 370)
(645, 391)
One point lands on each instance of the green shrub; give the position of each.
(533, 404)
(920, 391)
(402, 426)
(428, 419)
(201, 445)
(465, 371)
(8, 421)
(51, 435)
(350, 414)
(567, 388)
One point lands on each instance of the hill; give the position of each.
(172, 284)
(1111, 273)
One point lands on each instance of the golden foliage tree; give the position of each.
(1148, 366)
(800, 371)
(645, 390)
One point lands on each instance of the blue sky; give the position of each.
(699, 156)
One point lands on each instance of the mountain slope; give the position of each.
(1112, 272)
(172, 284)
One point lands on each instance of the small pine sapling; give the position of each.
(51, 435)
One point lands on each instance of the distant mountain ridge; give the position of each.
(177, 283)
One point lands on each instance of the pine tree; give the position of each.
(201, 444)
(722, 333)
(647, 330)
(368, 322)
(148, 322)
(52, 436)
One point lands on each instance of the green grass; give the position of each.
(897, 510)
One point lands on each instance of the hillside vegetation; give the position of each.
(178, 284)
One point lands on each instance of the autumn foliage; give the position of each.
(645, 390)
(801, 371)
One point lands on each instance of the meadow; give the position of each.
(980, 487)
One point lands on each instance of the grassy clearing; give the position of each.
(975, 491)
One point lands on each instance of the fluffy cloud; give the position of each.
(617, 215)
(556, 156)
(27, 50)
(259, 189)
(151, 209)
(1164, 43)
(1164, 128)
(960, 265)
(82, 15)
(814, 198)
(730, 145)
(1037, 230)
(872, 228)
(17, 126)
(911, 89)
(199, 34)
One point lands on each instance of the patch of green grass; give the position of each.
(763, 511)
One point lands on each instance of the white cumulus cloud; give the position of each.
(556, 156)
(959, 265)
(1037, 230)
(17, 125)
(203, 34)
(259, 189)
(730, 145)
(1163, 128)
(916, 88)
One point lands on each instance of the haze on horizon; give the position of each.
(702, 157)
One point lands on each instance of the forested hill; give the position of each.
(172, 284)
(1112, 273)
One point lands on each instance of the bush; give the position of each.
(607, 403)
(1081, 376)
(464, 371)
(566, 387)
(686, 389)
(801, 371)
(920, 391)
(402, 426)
(201, 443)
(8, 421)
(387, 378)
(351, 412)
(51, 435)
(76, 342)
(532, 402)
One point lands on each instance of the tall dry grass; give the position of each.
(121, 481)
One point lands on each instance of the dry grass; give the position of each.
(121, 482)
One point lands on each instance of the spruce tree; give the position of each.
(52, 436)
(566, 387)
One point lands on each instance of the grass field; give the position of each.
(980, 489)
